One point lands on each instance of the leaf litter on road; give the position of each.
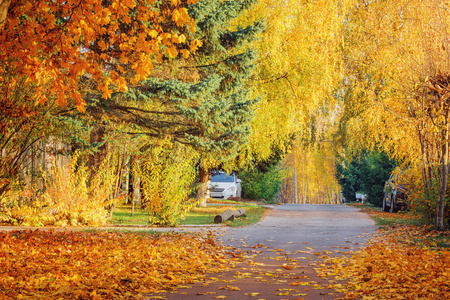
(398, 263)
(49, 264)
(103, 265)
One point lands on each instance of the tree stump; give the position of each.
(229, 214)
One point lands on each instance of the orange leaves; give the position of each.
(395, 267)
(180, 16)
(177, 2)
(195, 45)
(185, 53)
(52, 265)
(93, 36)
(178, 39)
(128, 3)
(172, 51)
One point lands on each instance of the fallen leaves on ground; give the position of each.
(400, 263)
(98, 265)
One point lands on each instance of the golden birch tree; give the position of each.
(396, 87)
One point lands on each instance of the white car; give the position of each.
(224, 186)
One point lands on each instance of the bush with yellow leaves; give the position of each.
(67, 198)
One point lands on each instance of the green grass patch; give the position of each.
(197, 216)
(122, 216)
(389, 219)
(397, 220)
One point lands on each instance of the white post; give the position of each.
(295, 186)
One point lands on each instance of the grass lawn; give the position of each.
(197, 216)
(122, 216)
(418, 233)
(389, 219)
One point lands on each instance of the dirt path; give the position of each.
(282, 252)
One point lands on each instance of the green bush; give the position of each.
(376, 168)
(366, 173)
(262, 185)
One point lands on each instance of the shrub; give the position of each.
(262, 185)
(423, 200)
(167, 172)
(366, 173)
(66, 198)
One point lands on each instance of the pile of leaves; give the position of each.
(102, 265)
(401, 262)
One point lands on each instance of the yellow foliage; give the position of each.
(167, 173)
(299, 69)
(66, 199)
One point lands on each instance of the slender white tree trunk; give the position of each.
(444, 175)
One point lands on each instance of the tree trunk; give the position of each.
(202, 193)
(95, 160)
(295, 186)
(131, 177)
(137, 191)
(444, 176)
(424, 159)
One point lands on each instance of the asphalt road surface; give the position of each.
(289, 226)
(282, 252)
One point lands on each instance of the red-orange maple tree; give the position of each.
(112, 42)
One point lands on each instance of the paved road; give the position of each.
(282, 251)
(322, 226)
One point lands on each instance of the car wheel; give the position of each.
(393, 208)
(385, 206)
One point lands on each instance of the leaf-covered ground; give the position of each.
(102, 265)
(266, 273)
(401, 262)
(389, 268)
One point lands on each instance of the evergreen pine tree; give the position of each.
(211, 109)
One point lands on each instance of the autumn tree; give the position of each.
(54, 43)
(297, 78)
(310, 179)
(201, 101)
(62, 52)
(297, 73)
(395, 91)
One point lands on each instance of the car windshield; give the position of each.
(222, 178)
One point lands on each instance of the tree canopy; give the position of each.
(240, 83)
(115, 43)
